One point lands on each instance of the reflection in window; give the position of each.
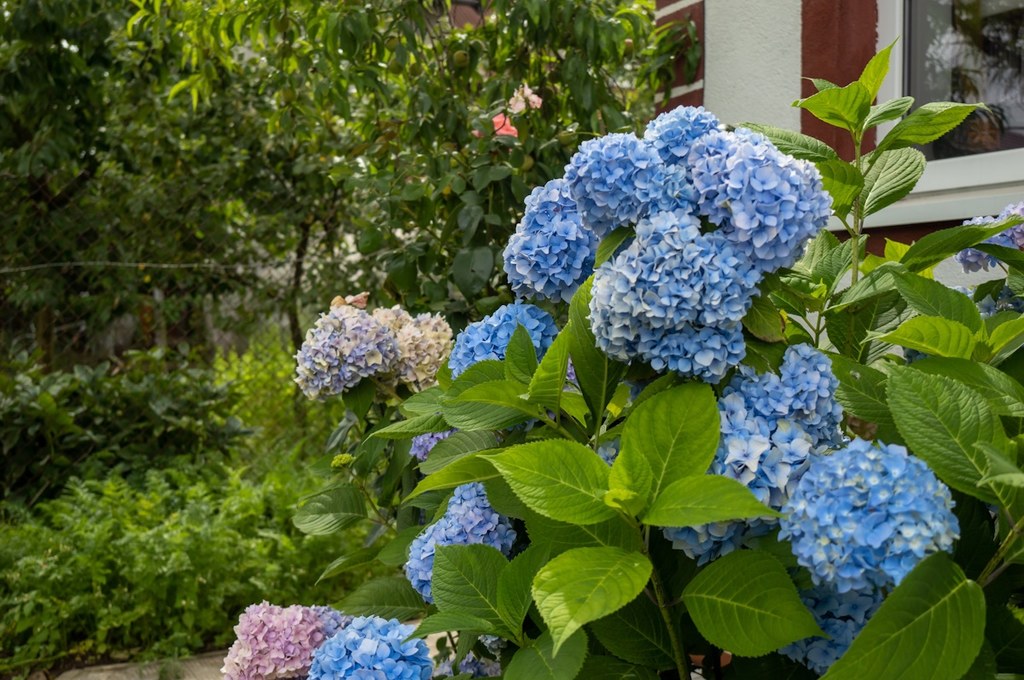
(969, 51)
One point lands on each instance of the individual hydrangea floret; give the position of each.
(759, 197)
(865, 516)
(372, 648)
(344, 346)
(273, 642)
(468, 519)
(489, 337)
(973, 260)
(613, 180)
(472, 665)
(550, 254)
(842, 616)
(331, 619)
(423, 444)
(673, 133)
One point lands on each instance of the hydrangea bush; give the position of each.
(718, 458)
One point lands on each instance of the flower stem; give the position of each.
(990, 572)
(677, 646)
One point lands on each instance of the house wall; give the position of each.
(753, 64)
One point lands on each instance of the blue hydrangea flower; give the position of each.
(648, 299)
(609, 450)
(673, 133)
(372, 648)
(759, 197)
(331, 619)
(972, 259)
(772, 427)
(469, 519)
(613, 180)
(489, 337)
(423, 444)
(705, 352)
(1003, 301)
(842, 616)
(803, 391)
(768, 456)
(550, 254)
(865, 516)
(346, 345)
(472, 665)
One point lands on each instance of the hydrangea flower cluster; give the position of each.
(331, 619)
(423, 343)
(423, 444)
(489, 337)
(472, 665)
(550, 254)
(273, 642)
(841, 616)
(772, 426)
(468, 519)
(673, 133)
(972, 259)
(374, 649)
(865, 516)
(348, 344)
(613, 180)
(344, 346)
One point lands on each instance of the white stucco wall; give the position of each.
(752, 61)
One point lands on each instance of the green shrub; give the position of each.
(107, 570)
(151, 409)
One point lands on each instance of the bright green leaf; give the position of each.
(539, 661)
(932, 335)
(703, 499)
(746, 603)
(330, 511)
(585, 584)
(893, 175)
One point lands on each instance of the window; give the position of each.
(960, 50)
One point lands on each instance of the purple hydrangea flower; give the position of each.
(273, 642)
(344, 346)
(842, 616)
(613, 180)
(372, 648)
(972, 259)
(469, 519)
(489, 337)
(673, 133)
(760, 198)
(550, 254)
(865, 516)
(423, 444)
(472, 665)
(331, 619)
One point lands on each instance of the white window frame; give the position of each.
(952, 188)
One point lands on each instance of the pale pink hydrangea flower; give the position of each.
(524, 98)
(424, 342)
(273, 643)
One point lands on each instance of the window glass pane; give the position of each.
(969, 51)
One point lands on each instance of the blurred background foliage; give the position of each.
(185, 185)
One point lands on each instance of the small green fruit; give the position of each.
(461, 58)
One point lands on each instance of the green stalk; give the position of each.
(990, 571)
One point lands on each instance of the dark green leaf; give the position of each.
(388, 597)
(465, 582)
(539, 662)
(636, 633)
(457, 445)
(330, 511)
(490, 405)
(794, 143)
(1004, 394)
(936, 612)
(941, 420)
(933, 248)
(597, 374)
(931, 298)
(611, 243)
(764, 320)
(843, 182)
(473, 467)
